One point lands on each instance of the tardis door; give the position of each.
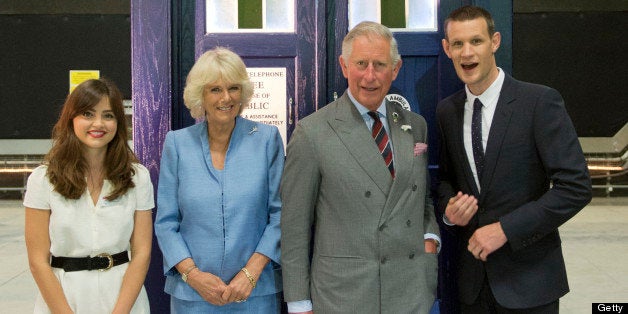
(277, 34)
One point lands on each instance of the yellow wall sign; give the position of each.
(79, 76)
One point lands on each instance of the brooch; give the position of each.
(395, 117)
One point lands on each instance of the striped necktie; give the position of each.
(381, 139)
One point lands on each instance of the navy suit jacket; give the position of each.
(535, 178)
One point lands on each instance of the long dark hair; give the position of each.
(67, 167)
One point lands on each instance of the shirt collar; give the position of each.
(490, 95)
(363, 110)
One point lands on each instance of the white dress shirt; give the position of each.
(489, 101)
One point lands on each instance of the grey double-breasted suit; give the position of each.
(352, 237)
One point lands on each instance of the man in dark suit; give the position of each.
(358, 231)
(512, 171)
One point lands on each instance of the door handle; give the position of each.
(290, 121)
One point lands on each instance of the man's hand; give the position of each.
(461, 208)
(487, 240)
(431, 246)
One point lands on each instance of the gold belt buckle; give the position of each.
(109, 257)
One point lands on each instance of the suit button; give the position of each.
(414, 187)
(384, 260)
(382, 227)
(411, 256)
(367, 194)
(408, 223)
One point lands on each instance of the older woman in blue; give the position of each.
(218, 202)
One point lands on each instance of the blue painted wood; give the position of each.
(502, 15)
(418, 44)
(337, 28)
(182, 49)
(150, 56)
(250, 44)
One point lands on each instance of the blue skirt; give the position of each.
(264, 304)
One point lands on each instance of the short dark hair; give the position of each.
(468, 13)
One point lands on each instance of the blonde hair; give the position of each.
(211, 66)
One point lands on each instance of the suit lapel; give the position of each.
(459, 102)
(354, 134)
(501, 120)
(203, 137)
(403, 148)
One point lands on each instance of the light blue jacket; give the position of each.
(220, 218)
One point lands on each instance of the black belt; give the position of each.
(101, 262)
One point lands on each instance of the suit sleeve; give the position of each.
(299, 193)
(430, 221)
(563, 161)
(168, 216)
(269, 242)
(446, 189)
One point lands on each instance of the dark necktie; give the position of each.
(381, 139)
(476, 137)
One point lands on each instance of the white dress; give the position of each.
(79, 229)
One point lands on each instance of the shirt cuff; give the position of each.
(447, 222)
(433, 237)
(299, 306)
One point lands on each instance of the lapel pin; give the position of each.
(395, 117)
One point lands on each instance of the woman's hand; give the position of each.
(208, 285)
(239, 289)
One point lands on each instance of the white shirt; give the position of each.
(381, 111)
(489, 101)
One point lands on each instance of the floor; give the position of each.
(595, 244)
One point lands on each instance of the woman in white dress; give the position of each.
(88, 211)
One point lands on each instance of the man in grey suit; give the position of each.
(358, 230)
(511, 172)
